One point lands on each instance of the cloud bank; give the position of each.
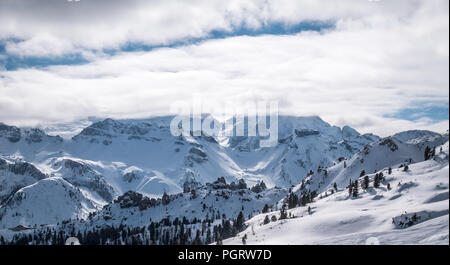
(380, 58)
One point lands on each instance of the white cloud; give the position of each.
(378, 60)
(60, 26)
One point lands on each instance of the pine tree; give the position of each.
(366, 182)
(350, 188)
(266, 220)
(363, 172)
(219, 241)
(239, 224)
(265, 208)
(355, 188)
(427, 153)
(406, 168)
(292, 200)
(376, 181)
(313, 194)
(335, 186)
(283, 212)
(208, 237)
(303, 200)
(197, 240)
(227, 230)
(389, 170)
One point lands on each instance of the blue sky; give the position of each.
(436, 111)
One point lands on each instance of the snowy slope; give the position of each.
(414, 211)
(47, 201)
(376, 156)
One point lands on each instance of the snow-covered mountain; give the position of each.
(142, 155)
(114, 172)
(389, 152)
(304, 144)
(48, 201)
(410, 206)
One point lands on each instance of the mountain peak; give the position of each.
(412, 135)
(348, 131)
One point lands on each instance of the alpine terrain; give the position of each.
(133, 182)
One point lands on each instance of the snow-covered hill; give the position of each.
(48, 201)
(409, 207)
(389, 152)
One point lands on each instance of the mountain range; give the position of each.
(134, 172)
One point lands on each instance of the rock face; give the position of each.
(133, 199)
(389, 143)
(305, 132)
(16, 175)
(260, 187)
(82, 175)
(14, 134)
(221, 183)
(24, 168)
(104, 128)
(11, 133)
(109, 129)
